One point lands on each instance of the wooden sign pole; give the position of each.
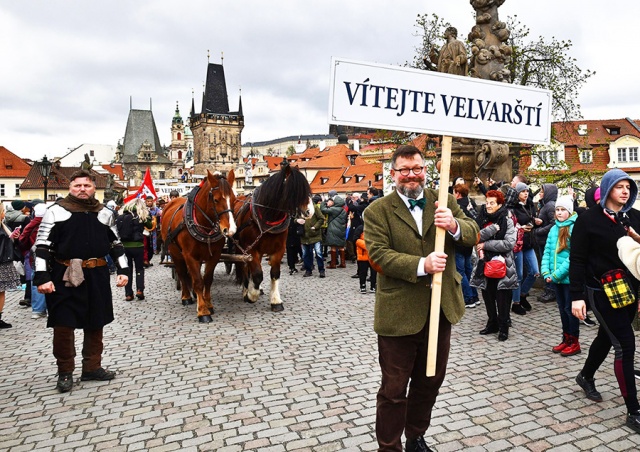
(436, 278)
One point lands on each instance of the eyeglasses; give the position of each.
(406, 171)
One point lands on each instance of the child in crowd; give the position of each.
(555, 270)
(363, 262)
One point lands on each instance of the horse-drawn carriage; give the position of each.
(195, 230)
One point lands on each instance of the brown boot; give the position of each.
(64, 348)
(334, 258)
(92, 351)
(343, 264)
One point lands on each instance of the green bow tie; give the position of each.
(417, 202)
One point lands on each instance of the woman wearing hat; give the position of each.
(526, 216)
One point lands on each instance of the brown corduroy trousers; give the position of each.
(64, 349)
(403, 361)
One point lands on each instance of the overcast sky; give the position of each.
(70, 66)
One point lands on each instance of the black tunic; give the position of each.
(81, 236)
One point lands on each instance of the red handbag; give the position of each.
(495, 268)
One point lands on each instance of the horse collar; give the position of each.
(199, 232)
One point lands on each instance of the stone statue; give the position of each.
(86, 164)
(453, 55)
(490, 54)
(248, 173)
(110, 180)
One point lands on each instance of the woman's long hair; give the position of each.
(138, 208)
(4, 225)
(563, 238)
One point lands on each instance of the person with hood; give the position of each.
(547, 213)
(334, 208)
(17, 215)
(555, 270)
(593, 256)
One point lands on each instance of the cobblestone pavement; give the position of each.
(303, 379)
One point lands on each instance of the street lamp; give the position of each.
(45, 170)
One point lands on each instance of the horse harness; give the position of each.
(202, 233)
(264, 227)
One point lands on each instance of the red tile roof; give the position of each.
(598, 137)
(11, 165)
(355, 178)
(116, 170)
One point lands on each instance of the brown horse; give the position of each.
(263, 221)
(194, 230)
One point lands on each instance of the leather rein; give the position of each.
(264, 227)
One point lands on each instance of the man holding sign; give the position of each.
(400, 231)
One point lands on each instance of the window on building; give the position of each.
(179, 155)
(2, 190)
(161, 174)
(586, 155)
(179, 136)
(92, 153)
(622, 155)
(613, 130)
(548, 157)
(17, 190)
(633, 154)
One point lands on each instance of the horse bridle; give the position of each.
(215, 225)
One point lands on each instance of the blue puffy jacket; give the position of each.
(556, 265)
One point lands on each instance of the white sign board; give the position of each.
(399, 98)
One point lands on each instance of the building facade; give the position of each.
(141, 149)
(216, 130)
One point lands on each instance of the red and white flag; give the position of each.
(146, 189)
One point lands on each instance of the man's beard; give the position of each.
(411, 193)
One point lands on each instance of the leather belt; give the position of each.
(87, 263)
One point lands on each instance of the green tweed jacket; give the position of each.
(402, 298)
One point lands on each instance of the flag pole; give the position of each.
(436, 280)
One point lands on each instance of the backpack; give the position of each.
(126, 225)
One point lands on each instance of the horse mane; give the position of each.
(282, 193)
